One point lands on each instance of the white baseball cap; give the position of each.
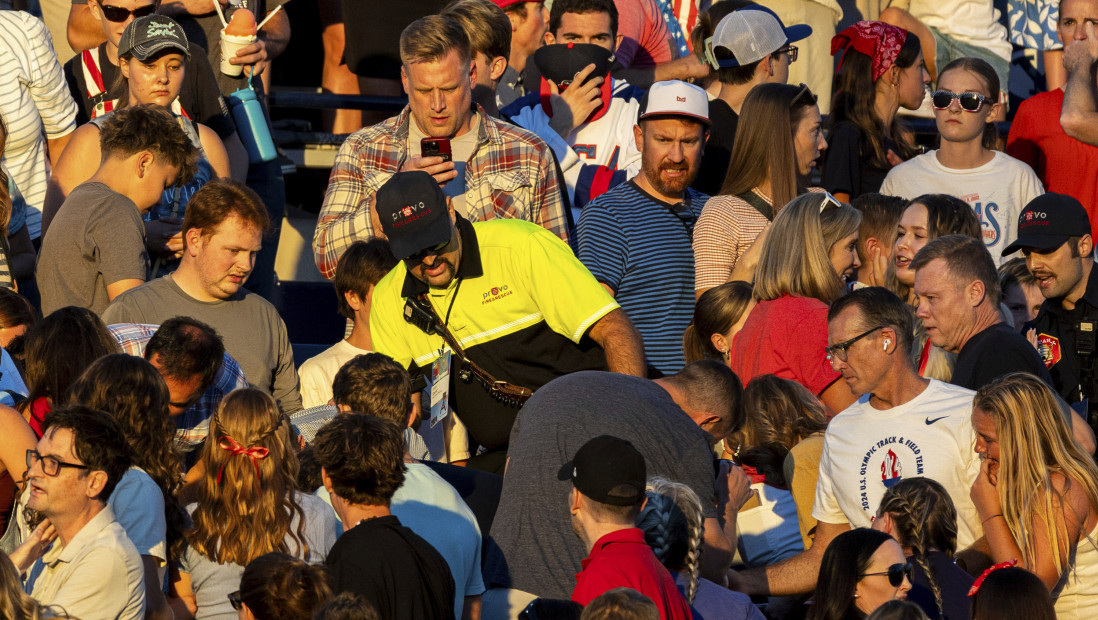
(675, 98)
(751, 34)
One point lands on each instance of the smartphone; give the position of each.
(436, 147)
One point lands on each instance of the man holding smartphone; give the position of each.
(495, 170)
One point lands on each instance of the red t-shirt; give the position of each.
(1064, 164)
(623, 559)
(644, 34)
(785, 337)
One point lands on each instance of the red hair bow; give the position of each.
(880, 41)
(980, 580)
(234, 448)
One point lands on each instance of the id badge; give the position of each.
(440, 388)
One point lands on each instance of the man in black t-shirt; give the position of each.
(750, 46)
(958, 293)
(362, 461)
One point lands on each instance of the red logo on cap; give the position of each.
(682, 99)
(410, 213)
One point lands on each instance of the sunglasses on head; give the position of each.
(970, 102)
(119, 14)
(896, 574)
(235, 601)
(829, 201)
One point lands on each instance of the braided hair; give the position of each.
(923, 519)
(672, 524)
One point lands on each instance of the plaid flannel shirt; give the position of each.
(512, 174)
(192, 425)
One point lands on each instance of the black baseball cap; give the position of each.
(413, 213)
(603, 467)
(1048, 221)
(147, 36)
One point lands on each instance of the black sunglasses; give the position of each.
(234, 600)
(425, 252)
(896, 574)
(970, 102)
(119, 14)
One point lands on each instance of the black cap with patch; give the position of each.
(413, 213)
(149, 35)
(1048, 221)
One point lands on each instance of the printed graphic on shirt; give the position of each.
(1049, 348)
(891, 458)
(989, 216)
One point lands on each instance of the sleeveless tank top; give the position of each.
(1078, 598)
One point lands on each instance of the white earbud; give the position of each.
(885, 347)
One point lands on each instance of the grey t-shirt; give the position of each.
(251, 328)
(96, 239)
(533, 547)
(212, 582)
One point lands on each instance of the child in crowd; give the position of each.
(718, 316)
(920, 515)
(994, 184)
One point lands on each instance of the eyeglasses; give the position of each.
(119, 14)
(970, 102)
(829, 201)
(234, 600)
(424, 253)
(838, 351)
(896, 574)
(791, 51)
(51, 466)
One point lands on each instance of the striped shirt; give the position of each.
(511, 175)
(33, 100)
(727, 228)
(635, 244)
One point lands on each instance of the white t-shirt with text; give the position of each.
(997, 191)
(866, 451)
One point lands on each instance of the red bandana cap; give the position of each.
(880, 41)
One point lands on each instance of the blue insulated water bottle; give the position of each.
(252, 126)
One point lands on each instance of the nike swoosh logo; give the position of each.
(929, 421)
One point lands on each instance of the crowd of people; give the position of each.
(735, 345)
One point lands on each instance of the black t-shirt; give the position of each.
(199, 95)
(718, 148)
(953, 582)
(401, 574)
(845, 168)
(373, 34)
(994, 352)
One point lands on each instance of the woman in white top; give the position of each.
(766, 171)
(1037, 492)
